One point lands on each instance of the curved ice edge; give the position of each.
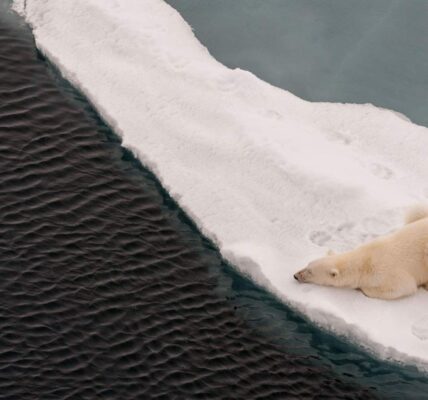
(350, 332)
(244, 263)
(321, 318)
(328, 322)
(250, 268)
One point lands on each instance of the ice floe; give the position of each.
(273, 180)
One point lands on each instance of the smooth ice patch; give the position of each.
(273, 180)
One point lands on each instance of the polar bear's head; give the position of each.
(332, 270)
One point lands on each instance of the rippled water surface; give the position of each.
(109, 292)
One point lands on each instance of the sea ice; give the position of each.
(273, 180)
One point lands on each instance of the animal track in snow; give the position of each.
(344, 229)
(367, 237)
(178, 63)
(375, 225)
(381, 171)
(350, 234)
(273, 114)
(341, 137)
(226, 83)
(319, 238)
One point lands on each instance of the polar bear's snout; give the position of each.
(303, 275)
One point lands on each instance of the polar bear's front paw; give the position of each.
(389, 294)
(374, 293)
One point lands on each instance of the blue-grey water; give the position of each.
(108, 291)
(358, 51)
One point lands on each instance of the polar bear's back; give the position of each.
(416, 213)
(407, 249)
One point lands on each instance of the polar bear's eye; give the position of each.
(333, 273)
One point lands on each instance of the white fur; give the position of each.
(416, 213)
(390, 267)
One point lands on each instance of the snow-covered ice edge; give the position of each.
(273, 180)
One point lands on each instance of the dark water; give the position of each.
(109, 292)
(355, 51)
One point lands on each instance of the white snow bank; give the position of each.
(273, 180)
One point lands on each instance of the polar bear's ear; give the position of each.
(334, 272)
(330, 252)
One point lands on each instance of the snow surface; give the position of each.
(273, 180)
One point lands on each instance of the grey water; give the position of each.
(357, 51)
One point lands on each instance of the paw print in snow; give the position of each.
(381, 171)
(226, 83)
(320, 238)
(341, 137)
(177, 62)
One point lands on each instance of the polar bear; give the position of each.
(389, 267)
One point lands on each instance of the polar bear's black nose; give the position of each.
(296, 276)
